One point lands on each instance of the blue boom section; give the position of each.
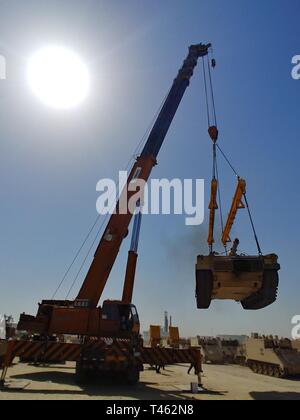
(136, 229)
(170, 107)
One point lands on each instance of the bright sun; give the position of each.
(58, 77)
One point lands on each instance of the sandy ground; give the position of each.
(221, 383)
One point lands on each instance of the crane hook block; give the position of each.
(214, 133)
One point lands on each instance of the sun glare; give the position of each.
(58, 77)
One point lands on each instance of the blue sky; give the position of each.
(50, 161)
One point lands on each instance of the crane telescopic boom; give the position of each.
(117, 228)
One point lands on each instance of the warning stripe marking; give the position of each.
(160, 356)
(47, 351)
(31, 352)
(51, 351)
(22, 348)
(73, 353)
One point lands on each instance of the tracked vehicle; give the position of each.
(296, 345)
(253, 281)
(272, 357)
(211, 350)
(233, 352)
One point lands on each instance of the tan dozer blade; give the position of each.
(251, 280)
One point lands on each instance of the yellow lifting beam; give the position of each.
(237, 204)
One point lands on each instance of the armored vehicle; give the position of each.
(233, 352)
(253, 281)
(296, 345)
(273, 357)
(211, 351)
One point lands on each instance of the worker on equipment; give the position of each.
(233, 251)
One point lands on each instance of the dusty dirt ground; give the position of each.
(220, 382)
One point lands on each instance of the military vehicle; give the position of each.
(233, 352)
(193, 342)
(296, 345)
(272, 357)
(211, 350)
(253, 281)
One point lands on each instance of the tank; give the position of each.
(251, 280)
(272, 357)
(211, 351)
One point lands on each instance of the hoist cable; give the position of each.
(84, 261)
(76, 256)
(206, 92)
(214, 161)
(212, 92)
(211, 97)
(253, 226)
(246, 201)
(210, 103)
(228, 161)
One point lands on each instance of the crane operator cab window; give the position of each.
(129, 317)
(126, 315)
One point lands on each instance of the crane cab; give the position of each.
(251, 280)
(119, 316)
(113, 319)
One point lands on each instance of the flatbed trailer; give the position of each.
(107, 352)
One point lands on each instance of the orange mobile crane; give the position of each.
(110, 334)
